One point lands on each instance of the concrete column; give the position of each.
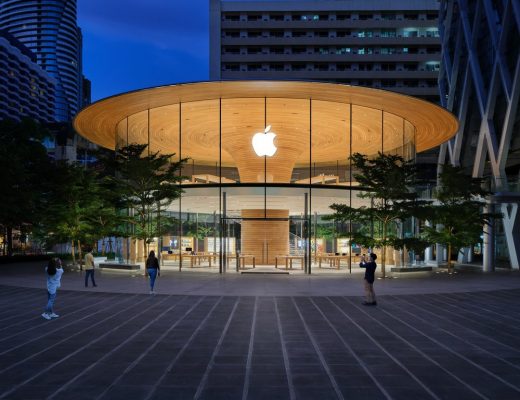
(488, 249)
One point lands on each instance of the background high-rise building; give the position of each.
(480, 83)
(393, 45)
(26, 90)
(48, 28)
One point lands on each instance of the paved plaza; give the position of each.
(205, 336)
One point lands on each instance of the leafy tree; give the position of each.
(387, 181)
(145, 184)
(73, 207)
(24, 166)
(457, 211)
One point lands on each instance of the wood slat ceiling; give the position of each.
(155, 113)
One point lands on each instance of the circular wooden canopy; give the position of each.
(311, 120)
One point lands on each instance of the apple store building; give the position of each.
(265, 160)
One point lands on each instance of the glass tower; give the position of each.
(48, 28)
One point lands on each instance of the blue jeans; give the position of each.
(152, 272)
(49, 308)
(89, 272)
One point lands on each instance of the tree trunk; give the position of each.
(383, 255)
(449, 258)
(103, 246)
(145, 255)
(73, 253)
(80, 256)
(9, 235)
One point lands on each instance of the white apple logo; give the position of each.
(263, 143)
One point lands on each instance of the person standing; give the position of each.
(153, 270)
(54, 272)
(370, 269)
(89, 268)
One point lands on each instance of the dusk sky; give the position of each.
(132, 44)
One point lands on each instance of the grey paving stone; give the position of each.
(324, 346)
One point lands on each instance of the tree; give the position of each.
(457, 211)
(387, 182)
(145, 184)
(24, 166)
(73, 207)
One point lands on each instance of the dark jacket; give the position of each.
(152, 263)
(370, 269)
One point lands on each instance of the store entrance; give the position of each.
(265, 240)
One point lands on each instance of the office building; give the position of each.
(393, 45)
(480, 83)
(26, 90)
(48, 28)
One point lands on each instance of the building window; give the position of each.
(343, 50)
(364, 16)
(388, 16)
(343, 33)
(321, 67)
(412, 17)
(432, 66)
(365, 50)
(365, 67)
(388, 33)
(298, 67)
(321, 50)
(363, 34)
(343, 67)
(342, 17)
(388, 50)
(388, 83)
(299, 33)
(254, 67)
(233, 34)
(387, 67)
(410, 67)
(231, 17)
(276, 17)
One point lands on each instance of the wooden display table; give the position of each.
(288, 261)
(241, 260)
(195, 259)
(334, 261)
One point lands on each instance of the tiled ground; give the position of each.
(137, 346)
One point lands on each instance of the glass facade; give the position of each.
(245, 206)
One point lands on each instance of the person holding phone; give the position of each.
(370, 268)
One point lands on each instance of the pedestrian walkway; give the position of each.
(297, 344)
(199, 283)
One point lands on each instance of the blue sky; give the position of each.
(132, 44)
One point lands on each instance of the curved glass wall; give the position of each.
(260, 176)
